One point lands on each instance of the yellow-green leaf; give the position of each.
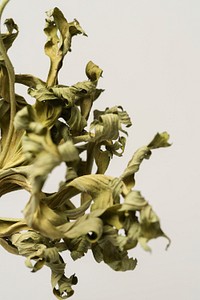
(93, 71)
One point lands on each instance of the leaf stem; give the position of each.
(2, 6)
(11, 79)
(90, 157)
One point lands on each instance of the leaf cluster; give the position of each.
(112, 217)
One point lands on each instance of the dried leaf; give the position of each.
(160, 140)
(93, 71)
(9, 37)
(59, 35)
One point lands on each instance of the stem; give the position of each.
(52, 78)
(90, 157)
(2, 6)
(11, 80)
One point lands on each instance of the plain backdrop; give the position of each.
(149, 51)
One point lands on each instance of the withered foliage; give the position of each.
(55, 129)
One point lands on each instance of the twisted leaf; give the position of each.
(93, 71)
(160, 140)
(59, 34)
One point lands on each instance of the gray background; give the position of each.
(149, 51)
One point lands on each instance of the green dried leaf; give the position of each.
(160, 140)
(130, 240)
(75, 28)
(133, 201)
(87, 225)
(78, 247)
(9, 37)
(102, 159)
(106, 128)
(108, 250)
(134, 165)
(13, 182)
(9, 226)
(65, 152)
(76, 122)
(14, 157)
(8, 247)
(65, 287)
(42, 94)
(38, 248)
(59, 34)
(93, 71)
(108, 124)
(30, 81)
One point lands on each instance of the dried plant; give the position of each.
(37, 138)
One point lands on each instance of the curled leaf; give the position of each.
(160, 140)
(59, 35)
(93, 71)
